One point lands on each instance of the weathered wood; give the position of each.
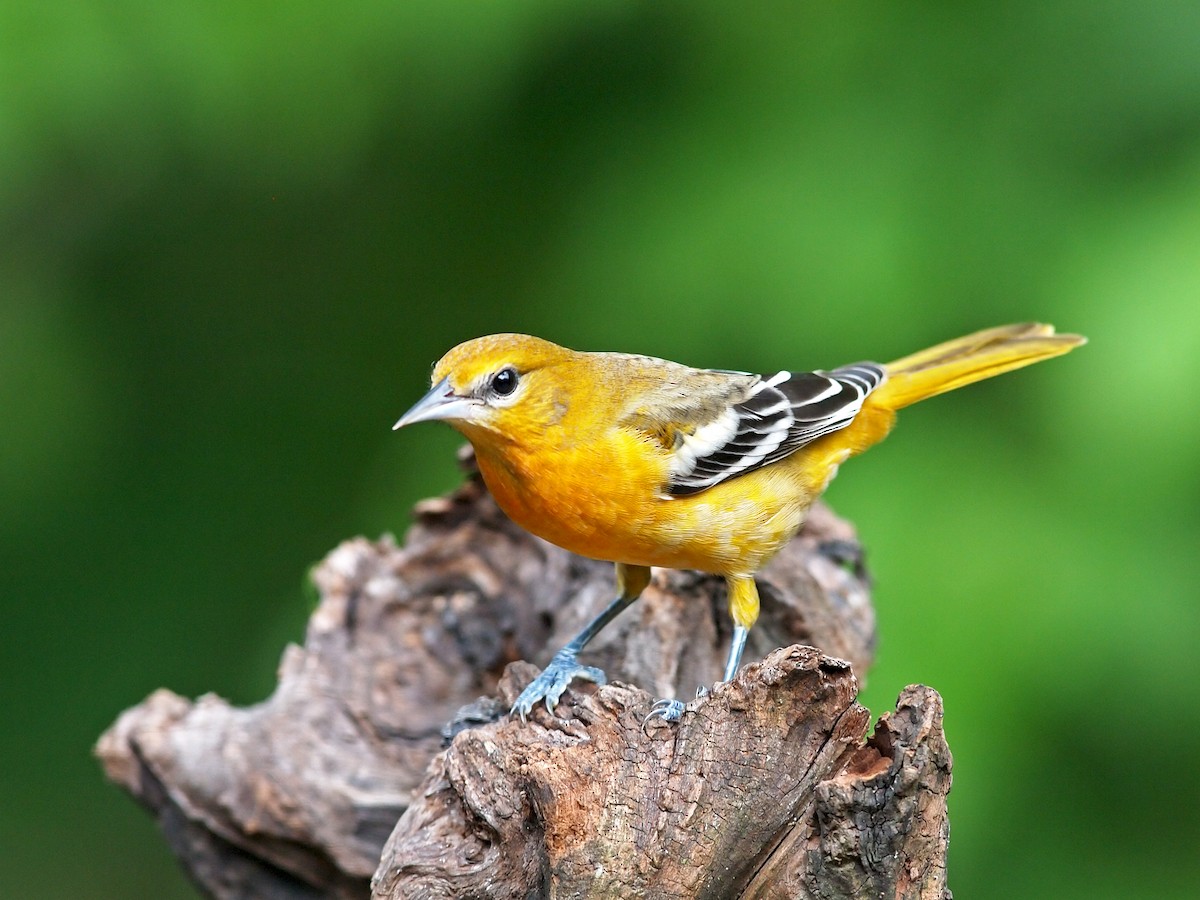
(767, 787)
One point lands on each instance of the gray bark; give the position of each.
(768, 787)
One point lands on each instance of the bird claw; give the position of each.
(667, 710)
(671, 710)
(552, 683)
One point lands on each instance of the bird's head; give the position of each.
(491, 384)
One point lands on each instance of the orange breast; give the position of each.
(610, 506)
(604, 499)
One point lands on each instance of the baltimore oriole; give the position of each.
(645, 462)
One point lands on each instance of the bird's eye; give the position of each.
(504, 382)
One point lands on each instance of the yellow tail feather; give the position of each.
(983, 354)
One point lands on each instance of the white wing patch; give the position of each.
(779, 416)
(706, 440)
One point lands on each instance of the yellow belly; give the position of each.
(605, 500)
(732, 528)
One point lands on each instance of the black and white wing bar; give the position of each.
(779, 416)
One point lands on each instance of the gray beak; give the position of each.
(440, 403)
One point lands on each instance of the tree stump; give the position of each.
(384, 766)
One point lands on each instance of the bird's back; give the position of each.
(640, 460)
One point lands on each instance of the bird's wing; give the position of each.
(775, 417)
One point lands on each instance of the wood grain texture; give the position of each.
(768, 787)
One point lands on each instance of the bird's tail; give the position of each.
(983, 354)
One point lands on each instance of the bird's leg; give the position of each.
(736, 646)
(743, 607)
(553, 681)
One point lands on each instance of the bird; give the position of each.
(644, 462)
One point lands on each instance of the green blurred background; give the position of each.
(234, 237)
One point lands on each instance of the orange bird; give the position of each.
(645, 462)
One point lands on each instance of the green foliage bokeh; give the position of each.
(234, 238)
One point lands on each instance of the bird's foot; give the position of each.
(671, 710)
(667, 710)
(553, 681)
